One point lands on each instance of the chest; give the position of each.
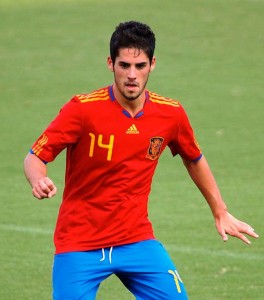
(115, 137)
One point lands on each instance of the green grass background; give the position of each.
(210, 57)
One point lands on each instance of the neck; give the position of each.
(132, 106)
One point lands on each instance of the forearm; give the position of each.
(36, 173)
(202, 176)
(225, 223)
(34, 169)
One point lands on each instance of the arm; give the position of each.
(36, 174)
(225, 223)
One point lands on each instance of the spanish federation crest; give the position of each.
(154, 149)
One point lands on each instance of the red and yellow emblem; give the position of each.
(154, 149)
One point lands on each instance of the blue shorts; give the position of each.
(145, 269)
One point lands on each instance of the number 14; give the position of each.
(101, 145)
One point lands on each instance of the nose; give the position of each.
(132, 73)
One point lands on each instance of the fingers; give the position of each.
(223, 234)
(233, 227)
(243, 238)
(44, 188)
(244, 228)
(249, 231)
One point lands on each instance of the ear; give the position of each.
(153, 64)
(110, 64)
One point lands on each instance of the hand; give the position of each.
(229, 225)
(44, 188)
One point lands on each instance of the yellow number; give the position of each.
(101, 145)
(107, 146)
(92, 144)
(177, 278)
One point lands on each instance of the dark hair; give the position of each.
(132, 34)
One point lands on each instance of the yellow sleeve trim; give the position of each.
(162, 100)
(100, 95)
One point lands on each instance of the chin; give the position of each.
(131, 96)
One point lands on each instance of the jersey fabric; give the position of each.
(110, 162)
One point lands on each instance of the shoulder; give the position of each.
(164, 105)
(76, 105)
(97, 95)
(163, 101)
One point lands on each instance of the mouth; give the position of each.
(131, 85)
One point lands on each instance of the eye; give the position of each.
(124, 65)
(141, 66)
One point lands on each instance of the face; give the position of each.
(131, 72)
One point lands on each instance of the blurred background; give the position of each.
(210, 58)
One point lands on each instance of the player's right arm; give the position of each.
(36, 173)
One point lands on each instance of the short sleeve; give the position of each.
(63, 131)
(184, 142)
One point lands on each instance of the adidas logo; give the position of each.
(132, 130)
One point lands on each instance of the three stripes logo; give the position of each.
(132, 130)
(38, 147)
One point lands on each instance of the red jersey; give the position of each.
(111, 159)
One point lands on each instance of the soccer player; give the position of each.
(114, 137)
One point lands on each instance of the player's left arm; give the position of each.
(226, 224)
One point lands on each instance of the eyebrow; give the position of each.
(128, 64)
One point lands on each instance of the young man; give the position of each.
(114, 137)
